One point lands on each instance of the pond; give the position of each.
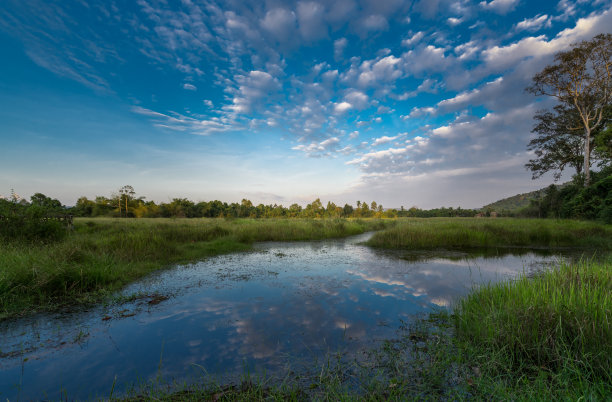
(265, 310)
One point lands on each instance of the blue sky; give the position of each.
(409, 103)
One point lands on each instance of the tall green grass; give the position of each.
(102, 255)
(449, 233)
(550, 335)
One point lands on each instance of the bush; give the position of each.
(22, 221)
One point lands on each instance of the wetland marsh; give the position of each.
(270, 309)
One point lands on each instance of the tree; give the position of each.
(347, 211)
(603, 141)
(314, 209)
(125, 193)
(47, 203)
(246, 207)
(581, 79)
(558, 144)
(84, 207)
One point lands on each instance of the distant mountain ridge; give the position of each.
(516, 202)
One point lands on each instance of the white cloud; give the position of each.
(500, 6)
(369, 159)
(452, 21)
(357, 99)
(311, 20)
(372, 73)
(339, 46)
(534, 24)
(419, 112)
(414, 39)
(426, 59)
(342, 107)
(383, 140)
(473, 97)
(280, 23)
(253, 89)
(190, 87)
(466, 50)
(318, 149)
(375, 22)
(178, 122)
(498, 58)
(461, 156)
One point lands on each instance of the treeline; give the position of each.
(441, 212)
(123, 205)
(126, 206)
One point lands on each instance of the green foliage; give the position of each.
(580, 80)
(435, 212)
(574, 201)
(184, 208)
(35, 221)
(558, 143)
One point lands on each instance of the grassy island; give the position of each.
(465, 233)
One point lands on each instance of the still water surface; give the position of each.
(261, 310)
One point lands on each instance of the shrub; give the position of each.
(22, 221)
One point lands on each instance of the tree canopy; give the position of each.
(580, 79)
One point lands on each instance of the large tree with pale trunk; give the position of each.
(580, 79)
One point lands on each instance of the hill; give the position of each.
(514, 203)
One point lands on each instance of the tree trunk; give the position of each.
(587, 156)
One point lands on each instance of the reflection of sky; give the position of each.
(279, 304)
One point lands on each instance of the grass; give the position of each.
(102, 255)
(462, 233)
(550, 335)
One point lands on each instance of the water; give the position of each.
(269, 309)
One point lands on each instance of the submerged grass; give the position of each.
(101, 255)
(456, 233)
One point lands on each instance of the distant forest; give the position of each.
(570, 200)
(125, 203)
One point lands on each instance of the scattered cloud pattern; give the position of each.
(341, 79)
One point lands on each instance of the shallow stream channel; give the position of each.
(275, 309)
